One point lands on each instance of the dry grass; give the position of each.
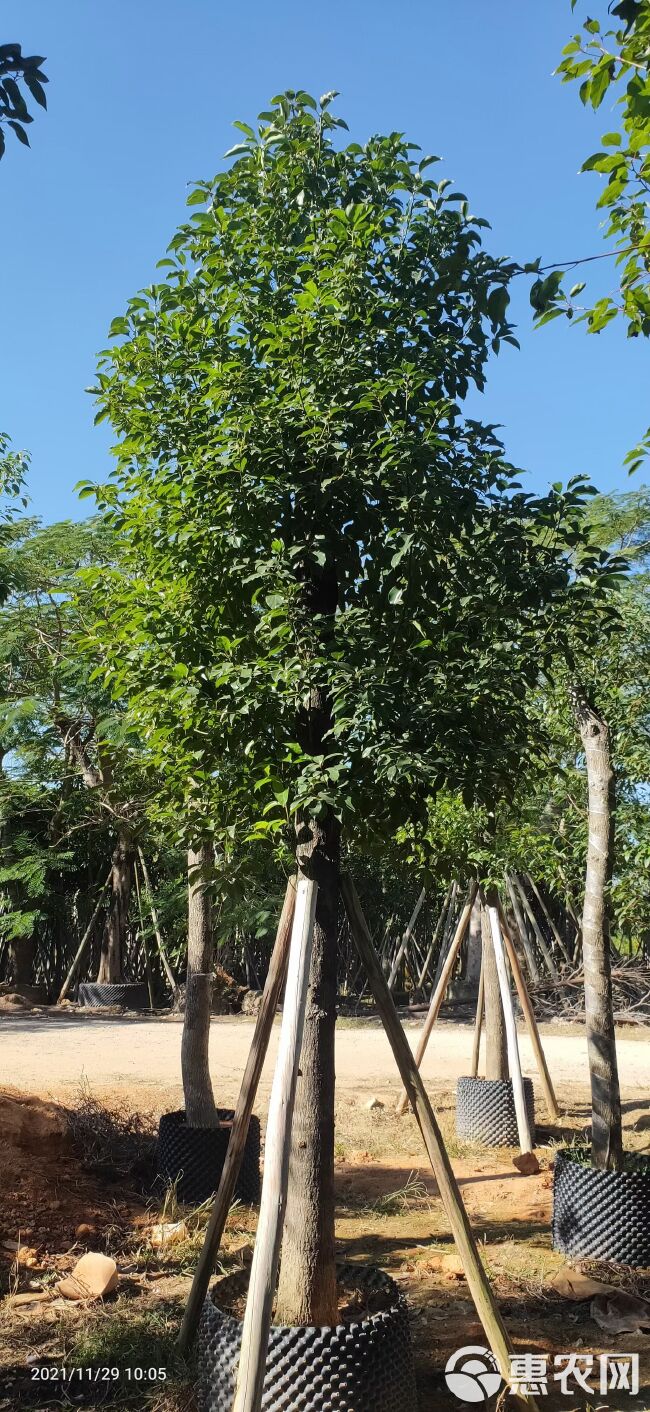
(113, 1142)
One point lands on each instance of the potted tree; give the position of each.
(192, 1142)
(334, 571)
(485, 1107)
(601, 1195)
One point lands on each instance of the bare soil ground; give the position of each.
(388, 1207)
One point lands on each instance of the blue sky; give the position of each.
(142, 94)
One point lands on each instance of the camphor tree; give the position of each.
(333, 597)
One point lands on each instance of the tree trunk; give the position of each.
(23, 950)
(307, 1285)
(496, 1061)
(114, 933)
(472, 970)
(606, 1133)
(200, 1107)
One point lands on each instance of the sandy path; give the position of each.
(51, 1055)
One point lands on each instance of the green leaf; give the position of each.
(19, 131)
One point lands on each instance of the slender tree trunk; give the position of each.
(474, 952)
(606, 1132)
(200, 1107)
(23, 950)
(114, 933)
(496, 1054)
(307, 1285)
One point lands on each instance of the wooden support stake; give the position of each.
(437, 935)
(266, 1255)
(239, 1132)
(439, 992)
(514, 1062)
(485, 1303)
(529, 1016)
(156, 926)
(447, 936)
(480, 1006)
(531, 960)
(83, 943)
(145, 944)
(543, 908)
(405, 939)
(541, 939)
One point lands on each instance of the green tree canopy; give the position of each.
(302, 503)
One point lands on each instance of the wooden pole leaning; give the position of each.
(544, 909)
(437, 935)
(145, 944)
(83, 943)
(486, 1306)
(480, 1006)
(235, 1151)
(447, 935)
(405, 939)
(541, 939)
(531, 960)
(514, 1061)
(439, 992)
(529, 1016)
(266, 1255)
(156, 925)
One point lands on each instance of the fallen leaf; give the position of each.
(621, 1313)
(572, 1284)
(35, 1296)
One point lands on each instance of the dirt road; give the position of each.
(51, 1055)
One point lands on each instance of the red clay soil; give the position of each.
(46, 1195)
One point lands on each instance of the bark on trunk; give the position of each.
(606, 1133)
(23, 949)
(307, 1284)
(472, 970)
(114, 933)
(496, 1054)
(200, 1107)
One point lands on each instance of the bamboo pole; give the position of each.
(83, 943)
(405, 939)
(239, 1132)
(439, 992)
(446, 936)
(145, 944)
(484, 1301)
(541, 939)
(529, 1016)
(555, 930)
(266, 1255)
(514, 1062)
(156, 925)
(521, 928)
(438, 932)
(480, 1006)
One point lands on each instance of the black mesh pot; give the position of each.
(485, 1111)
(601, 1215)
(194, 1158)
(358, 1367)
(133, 994)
